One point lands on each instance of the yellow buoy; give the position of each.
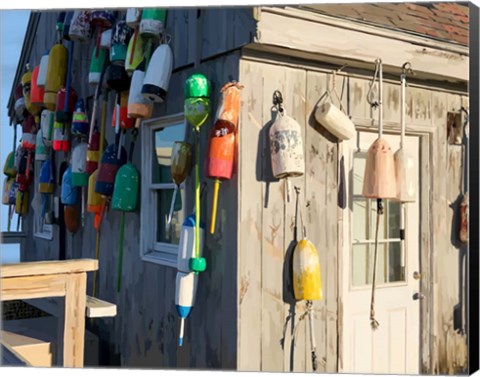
(56, 75)
(307, 278)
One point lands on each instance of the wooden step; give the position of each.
(35, 340)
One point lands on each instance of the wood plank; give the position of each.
(249, 280)
(10, 357)
(302, 35)
(48, 267)
(33, 351)
(74, 327)
(273, 247)
(96, 308)
(25, 287)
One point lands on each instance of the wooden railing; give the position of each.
(54, 279)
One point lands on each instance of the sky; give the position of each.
(13, 24)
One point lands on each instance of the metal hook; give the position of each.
(407, 68)
(278, 100)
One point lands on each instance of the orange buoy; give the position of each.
(125, 121)
(37, 92)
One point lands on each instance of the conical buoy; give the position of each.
(69, 193)
(61, 137)
(125, 191)
(108, 169)
(379, 179)
(157, 77)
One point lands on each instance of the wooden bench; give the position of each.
(30, 280)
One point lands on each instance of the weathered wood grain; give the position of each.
(47, 268)
(28, 287)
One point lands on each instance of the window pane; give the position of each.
(393, 219)
(360, 266)
(360, 220)
(395, 269)
(169, 234)
(163, 142)
(373, 220)
(359, 160)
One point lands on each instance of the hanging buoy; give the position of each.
(79, 161)
(135, 52)
(286, 147)
(46, 183)
(96, 65)
(379, 180)
(19, 106)
(42, 72)
(152, 24)
(404, 162)
(185, 292)
(71, 217)
(47, 119)
(61, 137)
(37, 92)
(181, 160)
(19, 153)
(9, 168)
(80, 27)
(93, 153)
(29, 133)
(102, 18)
(27, 92)
(69, 193)
(335, 121)
(138, 106)
(157, 77)
(25, 170)
(106, 40)
(7, 186)
(133, 17)
(121, 34)
(186, 281)
(64, 111)
(80, 125)
(21, 203)
(197, 111)
(307, 279)
(108, 169)
(41, 150)
(56, 75)
(12, 196)
(125, 121)
(221, 149)
(94, 200)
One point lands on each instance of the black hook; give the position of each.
(278, 100)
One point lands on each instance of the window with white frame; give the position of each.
(159, 240)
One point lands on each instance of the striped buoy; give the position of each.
(108, 169)
(79, 160)
(152, 24)
(135, 52)
(69, 193)
(80, 125)
(96, 65)
(64, 111)
(37, 92)
(157, 77)
(61, 137)
(121, 34)
(138, 106)
(29, 133)
(93, 153)
(125, 121)
(27, 92)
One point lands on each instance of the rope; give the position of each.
(308, 312)
(197, 193)
(120, 257)
(373, 322)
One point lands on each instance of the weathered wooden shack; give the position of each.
(245, 317)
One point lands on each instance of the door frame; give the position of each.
(428, 135)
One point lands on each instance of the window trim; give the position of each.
(161, 253)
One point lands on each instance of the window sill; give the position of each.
(161, 258)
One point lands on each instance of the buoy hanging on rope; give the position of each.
(121, 34)
(221, 149)
(197, 107)
(106, 40)
(102, 19)
(80, 125)
(125, 121)
(69, 198)
(9, 168)
(186, 280)
(27, 92)
(29, 133)
(41, 150)
(79, 161)
(61, 137)
(138, 106)
(80, 27)
(46, 188)
(21, 203)
(108, 169)
(181, 161)
(94, 200)
(286, 146)
(56, 75)
(47, 119)
(404, 161)
(157, 76)
(93, 155)
(334, 118)
(96, 65)
(7, 186)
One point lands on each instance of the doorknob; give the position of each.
(418, 296)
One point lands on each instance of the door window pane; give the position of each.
(360, 219)
(163, 141)
(395, 265)
(169, 233)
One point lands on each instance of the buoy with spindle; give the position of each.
(80, 26)
(151, 29)
(221, 150)
(101, 20)
(286, 146)
(197, 107)
(379, 180)
(124, 199)
(181, 161)
(135, 52)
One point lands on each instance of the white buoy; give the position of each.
(133, 17)
(186, 289)
(79, 162)
(42, 73)
(335, 121)
(186, 245)
(159, 71)
(41, 150)
(138, 105)
(47, 119)
(106, 39)
(286, 149)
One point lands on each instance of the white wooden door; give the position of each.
(394, 346)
